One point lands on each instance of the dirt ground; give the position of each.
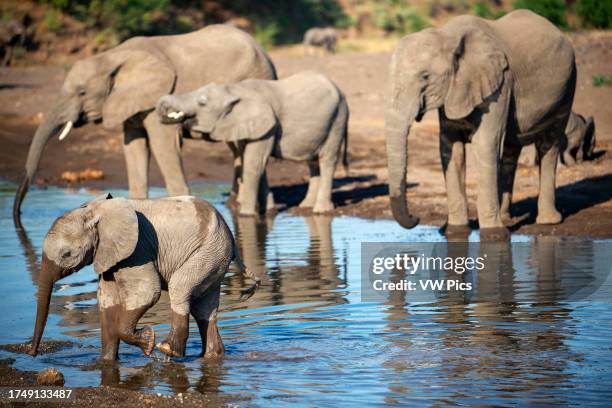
(584, 192)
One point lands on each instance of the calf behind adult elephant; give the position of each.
(302, 117)
(498, 84)
(120, 87)
(137, 247)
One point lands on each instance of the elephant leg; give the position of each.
(265, 197)
(166, 146)
(109, 307)
(204, 311)
(548, 151)
(323, 202)
(255, 158)
(313, 185)
(509, 162)
(232, 200)
(489, 139)
(136, 152)
(139, 288)
(452, 157)
(195, 276)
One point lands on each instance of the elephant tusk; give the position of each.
(176, 115)
(65, 130)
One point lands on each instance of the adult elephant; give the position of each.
(499, 84)
(122, 85)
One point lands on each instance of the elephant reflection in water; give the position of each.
(288, 283)
(176, 375)
(516, 315)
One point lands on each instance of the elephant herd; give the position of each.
(499, 85)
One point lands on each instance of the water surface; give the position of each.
(306, 338)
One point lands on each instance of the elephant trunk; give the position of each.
(172, 109)
(398, 119)
(49, 274)
(55, 119)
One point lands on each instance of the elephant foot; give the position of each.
(494, 234)
(457, 232)
(174, 344)
(147, 339)
(167, 348)
(321, 208)
(549, 218)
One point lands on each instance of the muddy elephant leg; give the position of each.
(255, 158)
(165, 143)
(109, 306)
(204, 311)
(136, 152)
(452, 157)
(194, 277)
(139, 288)
(548, 151)
(508, 170)
(313, 184)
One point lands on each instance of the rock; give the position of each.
(50, 376)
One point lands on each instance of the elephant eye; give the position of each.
(66, 254)
(202, 101)
(81, 92)
(424, 76)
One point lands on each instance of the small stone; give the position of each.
(50, 376)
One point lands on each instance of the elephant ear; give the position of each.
(117, 228)
(138, 83)
(249, 119)
(478, 72)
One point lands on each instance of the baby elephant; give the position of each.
(303, 117)
(138, 247)
(321, 37)
(580, 132)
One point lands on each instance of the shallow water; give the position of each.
(307, 338)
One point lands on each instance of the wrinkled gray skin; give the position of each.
(581, 142)
(120, 87)
(325, 38)
(498, 84)
(303, 117)
(138, 247)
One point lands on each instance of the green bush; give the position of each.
(481, 9)
(553, 10)
(595, 13)
(266, 34)
(602, 80)
(52, 21)
(395, 15)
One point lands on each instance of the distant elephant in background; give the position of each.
(12, 34)
(498, 84)
(138, 247)
(122, 85)
(580, 132)
(302, 117)
(325, 38)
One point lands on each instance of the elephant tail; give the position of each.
(345, 163)
(248, 292)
